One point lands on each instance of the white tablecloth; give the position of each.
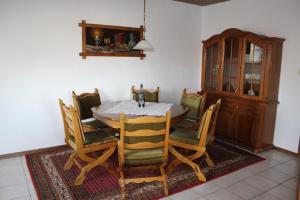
(131, 108)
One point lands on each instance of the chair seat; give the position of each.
(185, 136)
(94, 124)
(143, 157)
(96, 137)
(188, 124)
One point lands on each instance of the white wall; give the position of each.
(40, 43)
(276, 18)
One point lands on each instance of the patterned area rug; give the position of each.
(52, 182)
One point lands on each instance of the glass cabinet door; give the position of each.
(231, 65)
(211, 66)
(252, 72)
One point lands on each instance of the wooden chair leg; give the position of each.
(162, 171)
(208, 160)
(109, 169)
(176, 162)
(70, 162)
(83, 156)
(183, 159)
(99, 161)
(172, 165)
(122, 182)
(123, 191)
(81, 177)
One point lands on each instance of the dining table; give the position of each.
(178, 113)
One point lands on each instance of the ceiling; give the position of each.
(202, 2)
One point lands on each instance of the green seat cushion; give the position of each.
(187, 123)
(85, 105)
(154, 139)
(201, 126)
(95, 124)
(150, 126)
(149, 96)
(96, 137)
(143, 156)
(185, 136)
(135, 96)
(193, 103)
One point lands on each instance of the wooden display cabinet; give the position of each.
(243, 69)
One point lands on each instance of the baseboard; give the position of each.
(287, 151)
(21, 153)
(299, 152)
(298, 187)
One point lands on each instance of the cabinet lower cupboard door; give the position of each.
(226, 119)
(246, 123)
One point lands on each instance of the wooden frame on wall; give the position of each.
(107, 40)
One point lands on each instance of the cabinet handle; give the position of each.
(217, 66)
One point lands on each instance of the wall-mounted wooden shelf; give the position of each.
(106, 40)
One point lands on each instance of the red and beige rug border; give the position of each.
(31, 176)
(162, 196)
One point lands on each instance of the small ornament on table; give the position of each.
(141, 98)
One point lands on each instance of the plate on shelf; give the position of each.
(251, 92)
(252, 76)
(93, 48)
(106, 49)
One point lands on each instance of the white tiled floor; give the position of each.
(273, 179)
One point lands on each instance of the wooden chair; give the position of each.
(212, 129)
(83, 144)
(150, 95)
(194, 141)
(143, 145)
(83, 104)
(196, 105)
